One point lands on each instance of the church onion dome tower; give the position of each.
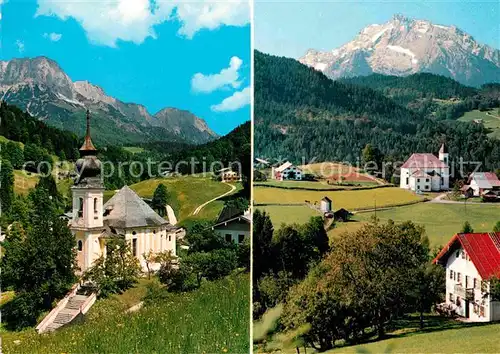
(88, 167)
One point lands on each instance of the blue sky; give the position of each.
(143, 51)
(290, 28)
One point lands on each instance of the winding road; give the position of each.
(233, 188)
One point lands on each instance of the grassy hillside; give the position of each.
(490, 120)
(442, 221)
(472, 339)
(212, 319)
(287, 214)
(185, 193)
(24, 181)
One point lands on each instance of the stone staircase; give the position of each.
(78, 301)
(68, 313)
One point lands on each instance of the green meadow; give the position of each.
(212, 319)
(490, 120)
(350, 200)
(186, 194)
(465, 339)
(441, 221)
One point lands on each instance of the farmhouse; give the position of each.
(125, 215)
(233, 224)
(471, 260)
(426, 172)
(483, 182)
(228, 175)
(286, 171)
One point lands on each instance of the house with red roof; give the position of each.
(484, 182)
(426, 172)
(471, 261)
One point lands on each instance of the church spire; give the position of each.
(88, 147)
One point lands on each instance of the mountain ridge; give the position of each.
(404, 46)
(41, 87)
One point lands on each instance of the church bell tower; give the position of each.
(87, 222)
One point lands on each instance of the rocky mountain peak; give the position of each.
(39, 86)
(404, 46)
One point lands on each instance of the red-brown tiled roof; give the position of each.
(423, 161)
(482, 248)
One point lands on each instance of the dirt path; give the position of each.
(233, 188)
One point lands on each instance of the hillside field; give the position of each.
(472, 339)
(186, 194)
(212, 319)
(350, 200)
(24, 181)
(441, 221)
(287, 214)
(490, 120)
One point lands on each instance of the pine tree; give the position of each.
(6, 185)
(160, 199)
(467, 228)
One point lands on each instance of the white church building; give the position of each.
(124, 215)
(426, 172)
(471, 260)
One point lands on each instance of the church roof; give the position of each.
(423, 161)
(482, 248)
(127, 210)
(443, 149)
(88, 146)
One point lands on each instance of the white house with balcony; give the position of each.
(287, 171)
(471, 260)
(426, 172)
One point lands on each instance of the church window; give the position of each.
(134, 247)
(169, 238)
(80, 245)
(407, 180)
(241, 238)
(229, 238)
(80, 207)
(133, 232)
(95, 205)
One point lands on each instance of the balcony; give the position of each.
(464, 293)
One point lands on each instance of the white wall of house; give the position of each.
(235, 231)
(420, 184)
(480, 309)
(475, 187)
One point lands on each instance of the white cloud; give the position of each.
(1, 3)
(226, 77)
(107, 21)
(232, 103)
(20, 46)
(211, 15)
(54, 37)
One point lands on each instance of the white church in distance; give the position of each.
(124, 215)
(426, 172)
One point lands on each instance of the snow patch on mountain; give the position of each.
(405, 46)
